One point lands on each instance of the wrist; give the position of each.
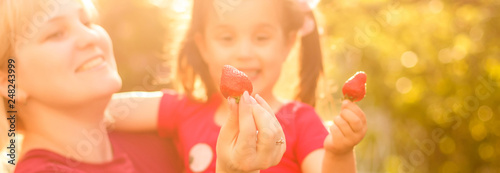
(224, 168)
(336, 155)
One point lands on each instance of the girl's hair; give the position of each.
(19, 21)
(191, 67)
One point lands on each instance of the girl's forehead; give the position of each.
(245, 12)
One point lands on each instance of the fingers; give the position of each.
(266, 106)
(346, 104)
(343, 126)
(265, 125)
(229, 130)
(352, 119)
(263, 103)
(270, 132)
(233, 120)
(247, 129)
(336, 136)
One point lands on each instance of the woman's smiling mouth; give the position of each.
(91, 64)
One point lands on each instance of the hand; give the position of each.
(248, 140)
(348, 130)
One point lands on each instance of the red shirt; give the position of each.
(133, 153)
(192, 125)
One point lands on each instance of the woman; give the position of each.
(65, 76)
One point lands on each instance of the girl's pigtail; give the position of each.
(311, 60)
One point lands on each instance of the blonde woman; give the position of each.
(65, 77)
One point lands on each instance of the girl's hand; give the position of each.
(348, 130)
(251, 139)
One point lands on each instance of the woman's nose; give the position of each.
(86, 36)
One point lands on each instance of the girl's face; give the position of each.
(68, 60)
(250, 37)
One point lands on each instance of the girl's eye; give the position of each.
(261, 38)
(226, 38)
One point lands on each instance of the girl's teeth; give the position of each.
(91, 64)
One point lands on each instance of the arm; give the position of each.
(135, 111)
(338, 153)
(349, 129)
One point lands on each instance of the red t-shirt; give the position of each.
(133, 153)
(192, 125)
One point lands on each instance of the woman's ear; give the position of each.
(19, 94)
(200, 43)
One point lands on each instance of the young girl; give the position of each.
(255, 37)
(66, 74)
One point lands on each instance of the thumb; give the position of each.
(247, 129)
(233, 119)
(229, 130)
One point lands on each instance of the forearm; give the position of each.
(339, 163)
(134, 111)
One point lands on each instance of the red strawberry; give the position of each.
(234, 83)
(355, 88)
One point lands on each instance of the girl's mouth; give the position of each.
(252, 74)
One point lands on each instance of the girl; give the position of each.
(256, 37)
(66, 75)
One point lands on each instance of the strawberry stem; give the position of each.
(237, 99)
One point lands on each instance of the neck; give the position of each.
(78, 133)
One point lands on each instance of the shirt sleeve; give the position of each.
(311, 132)
(168, 113)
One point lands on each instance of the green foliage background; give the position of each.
(438, 115)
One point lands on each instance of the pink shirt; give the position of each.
(192, 125)
(133, 153)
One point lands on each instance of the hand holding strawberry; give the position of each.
(234, 82)
(349, 127)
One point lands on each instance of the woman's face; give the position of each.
(68, 60)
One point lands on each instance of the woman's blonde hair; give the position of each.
(19, 21)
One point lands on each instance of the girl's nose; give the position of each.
(245, 50)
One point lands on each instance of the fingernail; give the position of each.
(246, 97)
(257, 96)
(345, 101)
(253, 100)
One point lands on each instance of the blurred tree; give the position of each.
(139, 31)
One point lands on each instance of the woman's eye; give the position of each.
(88, 24)
(55, 35)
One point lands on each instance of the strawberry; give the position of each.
(355, 88)
(234, 83)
